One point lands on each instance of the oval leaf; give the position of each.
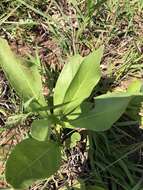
(40, 129)
(66, 76)
(108, 109)
(24, 78)
(86, 78)
(135, 105)
(32, 160)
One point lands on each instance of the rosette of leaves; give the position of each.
(39, 156)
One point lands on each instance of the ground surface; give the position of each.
(53, 30)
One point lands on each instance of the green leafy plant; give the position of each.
(39, 156)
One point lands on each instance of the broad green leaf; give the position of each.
(108, 109)
(23, 77)
(87, 76)
(75, 137)
(66, 76)
(135, 105)
(40, 129)
(135, 86)
(32, 160)
(86, 106)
